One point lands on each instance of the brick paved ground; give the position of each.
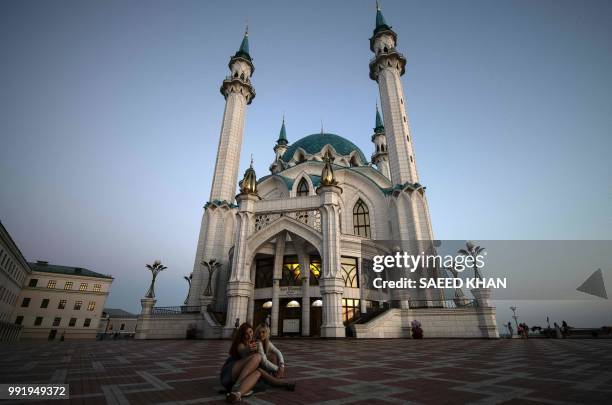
(332, 372)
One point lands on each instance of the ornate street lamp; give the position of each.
(212, 266)
(188, 279)
(471, 250)
(155, 268)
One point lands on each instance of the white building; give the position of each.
(61, 301)
(296, 244)
(117, 321)
(14, 271)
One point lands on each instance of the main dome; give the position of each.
(314, 143)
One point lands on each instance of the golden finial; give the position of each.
(248, 185)
(377, 6)
(327, 175)
(246, 30)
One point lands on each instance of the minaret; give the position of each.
(279, 150)
(238, 92)
(218, 220)
(387, 66)
(380, 157)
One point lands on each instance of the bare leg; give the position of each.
(277, 382)
(249, 382)
(244, 367)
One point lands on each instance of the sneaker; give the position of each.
(247, 394)
(233, 397)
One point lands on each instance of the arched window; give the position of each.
(361, 219)
(302, 189)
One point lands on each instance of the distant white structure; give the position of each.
(117, 321)
(296, 244)
(14, 271)
(61, 301)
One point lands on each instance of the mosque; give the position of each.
(294, 247)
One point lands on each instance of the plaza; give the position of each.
(345, 371)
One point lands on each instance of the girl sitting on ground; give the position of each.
(240, 372)
(272, 366)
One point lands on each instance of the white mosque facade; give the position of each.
(294, 247)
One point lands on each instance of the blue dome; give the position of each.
(313, 144)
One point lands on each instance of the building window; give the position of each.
(19, 320)
(57, 321)
(87, 322)
(51, 284)
(361, 219)
(91, 306)
(315, 270)
(350, 309)
(302, 189)
(78, 305)
(68, 285)
(38, 321)
(263, 273)
(44, 303)
(97, 288)
(33, 282)
(122, 327)
(72, 322)
(62, 304)
(83, 287)
(25, 303)
(348, 266)
(290, 272)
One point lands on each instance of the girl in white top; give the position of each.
(272, 366)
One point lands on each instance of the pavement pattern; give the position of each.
(347, 371)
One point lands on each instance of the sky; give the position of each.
(110, 114)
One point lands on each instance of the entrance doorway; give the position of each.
(52, 334)
(263, 308)
(316, 316)
(290, 317)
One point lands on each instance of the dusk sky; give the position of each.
(110, 115)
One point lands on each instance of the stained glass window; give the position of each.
(290, 272)
(349, 272)
(302, 189)
(361, 219)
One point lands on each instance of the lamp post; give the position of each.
(155, 268)
(513, 309)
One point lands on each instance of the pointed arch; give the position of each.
(301, 179)
(361, 219)
(302, 188)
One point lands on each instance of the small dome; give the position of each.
(313, 144)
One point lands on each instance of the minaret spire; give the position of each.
(387, 66)
(238, 92)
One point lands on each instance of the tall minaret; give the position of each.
(238, 92)
(380, 157)
(218, 220)
(387, 66)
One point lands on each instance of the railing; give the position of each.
(175, 310)
(311, 218)
(451, 303)
(391, 51)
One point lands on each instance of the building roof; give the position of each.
(381, 24)
(118, 313)
(45, 267)
(244, 47)
(11, 244)
(379, 127)
(282, 136)
(314, 143)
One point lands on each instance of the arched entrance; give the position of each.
(286, 267)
